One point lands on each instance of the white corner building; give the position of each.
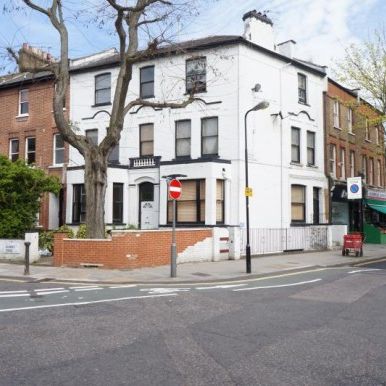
(205, 141)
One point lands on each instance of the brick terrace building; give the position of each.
(27, 131)
(354, 147)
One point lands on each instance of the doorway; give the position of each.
(148, 213)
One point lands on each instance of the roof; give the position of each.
(23, 78)
(191, 46)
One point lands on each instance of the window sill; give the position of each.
(312, 166)
(101, 104)
(196, 92)
(296, 164)
(22, 116)
(338, 128)
(351, 133)
(304, 103)
(367, 140)
(55, 166)
(147, 97)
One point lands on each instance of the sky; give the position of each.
(321, 28)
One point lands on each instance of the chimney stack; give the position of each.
(32, 59)
(287, 48)
(258, 29)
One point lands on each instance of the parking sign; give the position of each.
(354, 188)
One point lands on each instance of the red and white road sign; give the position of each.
(175, 189)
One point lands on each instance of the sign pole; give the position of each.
(173, 262)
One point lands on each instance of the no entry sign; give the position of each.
(175, 189)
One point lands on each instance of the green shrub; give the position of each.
(82, 232)
(46, 240)
(66, 229)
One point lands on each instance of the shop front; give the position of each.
(375, 216)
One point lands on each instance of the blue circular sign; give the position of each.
(354, 188)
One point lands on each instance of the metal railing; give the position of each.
(274, 240)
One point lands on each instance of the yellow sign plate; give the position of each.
(248, 192)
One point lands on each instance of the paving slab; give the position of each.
(198, 272)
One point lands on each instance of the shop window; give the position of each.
(13, 149)
(78, 204)
(310, 148)
(30, 150)
(220, 201)
(117, 203)
(146, 139)
(183, 135)
(58, 149)
(196, 75)
(298, 203)
(103, 89)
(295, 145)
(146, 76)
(190, 208)
(209, 136)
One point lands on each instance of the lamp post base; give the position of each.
(248, 258)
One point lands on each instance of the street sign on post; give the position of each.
(354, 188)
(175, 189)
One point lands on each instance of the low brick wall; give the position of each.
(126, 249)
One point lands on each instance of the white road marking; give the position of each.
(164, 290)
(278, 286)
(221, 286)
(12, 292)
(13, 295)
(48, 289)
(85, 303)
(88, 289)
(365, 270)
(52, 292)
(84, 286)
(123, 286)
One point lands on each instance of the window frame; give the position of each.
(81, 203)
(313, 163)
(222, 221)
(332, 160)
(55, 149)
(147, 141)
(336, 114)
(379, 172)
(342, 163)
(205, 73)
(190, 139)
(20, 114)
(197, 201)
(209, 136)
(352, 163)
(298, 130)
(28, 152)
(141, 82)
(117, 203)
(302, 90)
(350, 120)
(371, 171)
(364, 167)
(90, 138)
(303, 204)
(10, 153)
(367, 130)
(99, 89)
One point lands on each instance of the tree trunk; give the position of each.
(95, 178)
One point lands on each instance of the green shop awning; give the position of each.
(379, 206)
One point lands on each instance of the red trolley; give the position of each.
(352, 242)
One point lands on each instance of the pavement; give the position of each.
(226, 270)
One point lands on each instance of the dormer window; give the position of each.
(302, 88)
(103, 89)
(196, 75)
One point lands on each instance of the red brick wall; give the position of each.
(39, 124)
(130, 249)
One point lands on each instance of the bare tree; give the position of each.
(130, 18)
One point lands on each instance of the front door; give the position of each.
(148, 217)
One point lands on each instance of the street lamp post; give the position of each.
(260, 106)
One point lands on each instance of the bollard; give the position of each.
(26, 268)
